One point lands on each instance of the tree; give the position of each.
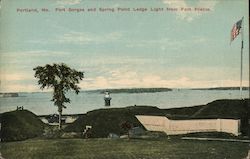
(126, 126)
(61, 79)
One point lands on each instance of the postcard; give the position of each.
(155, 79)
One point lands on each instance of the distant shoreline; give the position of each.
(131, 90)
(222, 88)
(139, 90)
(4, 95)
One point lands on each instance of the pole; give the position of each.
(241, 58)
(241, 66)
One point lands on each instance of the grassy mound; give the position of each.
(182, 113)
(20, 125)
(105, 121)
(233, 109)
(227, 109)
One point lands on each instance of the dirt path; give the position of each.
(199, 111)
(215, 139)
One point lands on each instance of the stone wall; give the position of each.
(173, 127)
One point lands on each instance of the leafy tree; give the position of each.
(61, 79)
(126, 126)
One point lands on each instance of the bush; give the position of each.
(105, 121)
(20, 125)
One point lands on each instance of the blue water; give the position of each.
(40, 103)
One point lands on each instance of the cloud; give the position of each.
(123, 78)
(35, 53)
(117, 79)
(25, 59)
(82, 38)
(190, 15)
(19, 88)
(165, 43)
(15, 77)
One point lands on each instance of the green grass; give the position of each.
(123, 149)
(20, 125)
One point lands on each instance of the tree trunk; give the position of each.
(60, 118)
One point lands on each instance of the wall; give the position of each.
(173, 127)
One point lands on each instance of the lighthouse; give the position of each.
(107, 99)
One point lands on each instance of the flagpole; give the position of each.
(241, 58)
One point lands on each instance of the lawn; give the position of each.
(161, 148)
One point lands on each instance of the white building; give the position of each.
(174, 127)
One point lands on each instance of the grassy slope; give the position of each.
(105, 121)
(123, 149)
(225, 109)
(228, 108)
(182, 113)
(109, 120)
(20, 125)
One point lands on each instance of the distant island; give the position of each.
(132, 90)
(222, 88)
(9, 95)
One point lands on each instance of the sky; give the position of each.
(124, 49)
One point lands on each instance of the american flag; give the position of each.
(236, 30)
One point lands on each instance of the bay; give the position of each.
(40, 102)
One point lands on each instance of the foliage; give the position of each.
(126, 126)
(61, 79)
(20, 125)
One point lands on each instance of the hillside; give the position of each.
(20, 125)
(105, 121)
(233, 109)
(227, 108)
(23, 124)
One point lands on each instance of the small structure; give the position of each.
(87, 131)
(113, 136)
(54, 118)
(19, 108)
(174, 127)
(107, 99)
(136, 131)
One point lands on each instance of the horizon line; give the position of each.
(96, 89)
